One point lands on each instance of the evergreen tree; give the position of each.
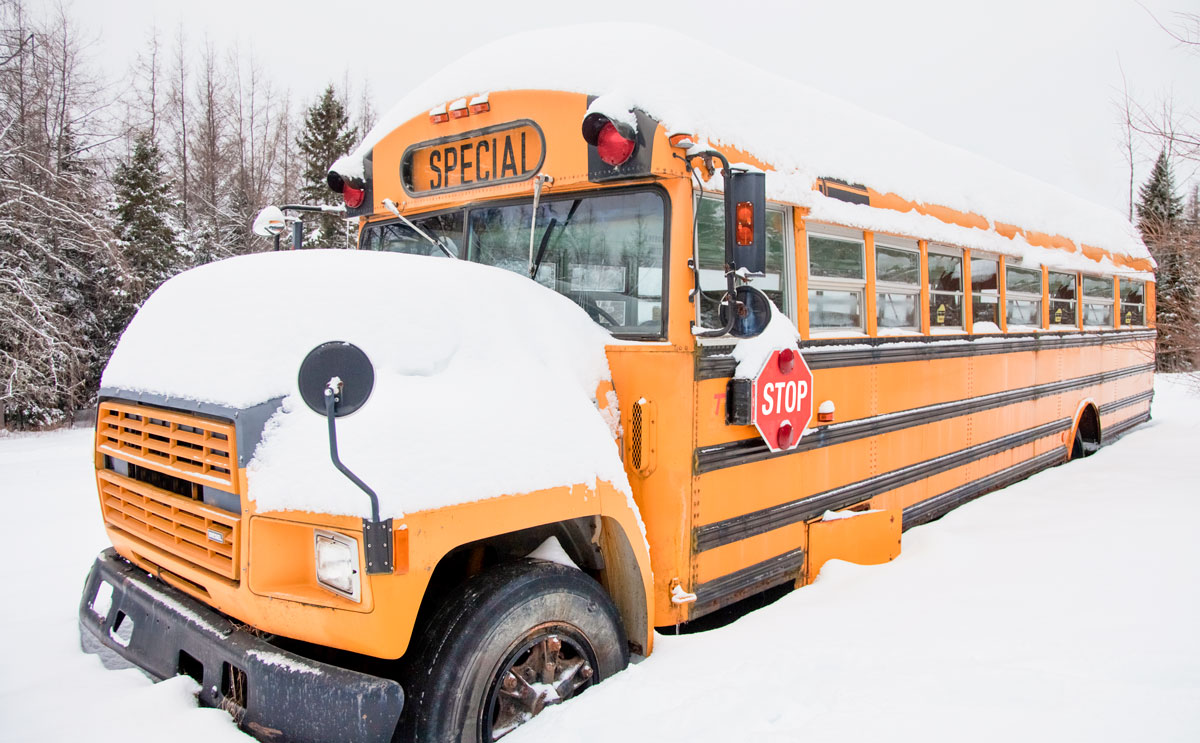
(1164, 226)
(145, 230)
(1159, 208)
(326, 136)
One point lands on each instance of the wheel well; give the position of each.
(1087, 432)
(597, 545)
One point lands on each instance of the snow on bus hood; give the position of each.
(484, 381)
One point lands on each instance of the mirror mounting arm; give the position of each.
(377, 534)
(707, 156)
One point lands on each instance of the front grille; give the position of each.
(158, 465)
(184, 528)
(187, 446)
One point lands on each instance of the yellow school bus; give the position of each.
(917, 373)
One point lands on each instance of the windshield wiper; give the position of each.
(391, 207)
(546, 238)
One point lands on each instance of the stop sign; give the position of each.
(782, 399)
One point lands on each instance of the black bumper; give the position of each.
(273, 694)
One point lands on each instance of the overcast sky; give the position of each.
(1032, 84)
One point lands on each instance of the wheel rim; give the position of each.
(549, 665)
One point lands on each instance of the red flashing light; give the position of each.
(441, 118)
(745, 223)
(613, 148)
(459, 113)
(480, 108)
(784, 435)
(787, 361)
(353, 196)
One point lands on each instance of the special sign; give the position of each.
(484, 157)
(782, 399)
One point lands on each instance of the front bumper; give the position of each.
(132, 619)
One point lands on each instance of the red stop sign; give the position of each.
(782, 399)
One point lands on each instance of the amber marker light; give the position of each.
(745, 223)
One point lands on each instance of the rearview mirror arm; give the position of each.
(377, 534)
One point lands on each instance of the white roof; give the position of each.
(802, 132)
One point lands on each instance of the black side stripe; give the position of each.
(714, 362)
(731, 454)
(1115, 431)
(719, 592)
(747, 525)
(712, 595)
(939, 505)
(1125, 402)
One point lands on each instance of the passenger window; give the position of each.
(836, 282)
(1024, 295)
(897, 289)
(1062, 298)
(1097, 302)
(1133, 303)
(945, 292)
(985, 294)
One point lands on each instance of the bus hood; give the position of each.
(485, 382)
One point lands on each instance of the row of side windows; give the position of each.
(838, 290)
(1002, 294)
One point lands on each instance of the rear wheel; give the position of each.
(510, 642)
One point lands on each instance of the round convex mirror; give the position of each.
(269, 222)
(345, 361)
(753, 312)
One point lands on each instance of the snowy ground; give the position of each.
(1066, 607)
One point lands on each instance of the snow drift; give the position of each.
(485, 381)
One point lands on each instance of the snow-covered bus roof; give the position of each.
(801, 132)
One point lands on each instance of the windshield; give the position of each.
(397, 237)
(605, 251)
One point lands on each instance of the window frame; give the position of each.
(1087, 299)
(894, 287)
(953, 252)
(1050, 300)
(1001, 317)
(836, 283)
(1010, 295)
(1141, 304)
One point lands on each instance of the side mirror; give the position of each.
(343, 366)
(269, 222)
(751, 312)
(336, 378)
(746, 221)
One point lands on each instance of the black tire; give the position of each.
(505, 622)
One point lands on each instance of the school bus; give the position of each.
(917, 373)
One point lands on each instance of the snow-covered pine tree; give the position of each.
(1162, 224)
(54, 243)
(326, 136)
(147, 236)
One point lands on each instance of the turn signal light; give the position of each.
(745, 223)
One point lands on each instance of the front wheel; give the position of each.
(510, 642)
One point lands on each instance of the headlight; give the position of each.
(337, 563)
